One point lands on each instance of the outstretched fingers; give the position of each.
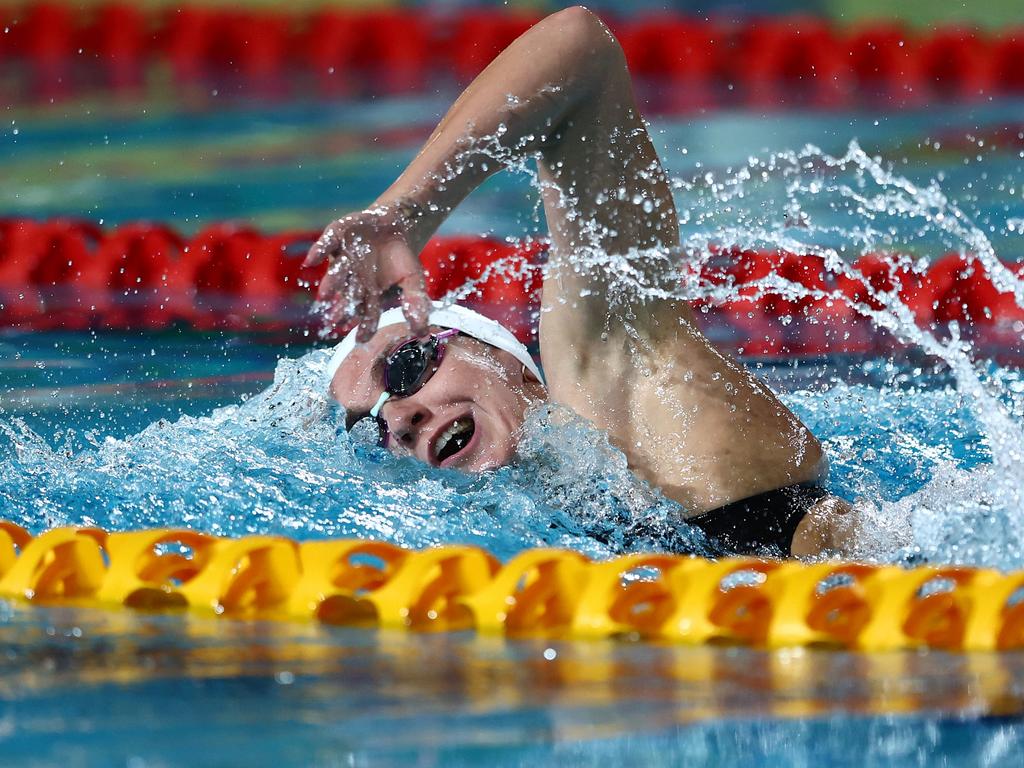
(407, 274)
(416, 304)
(364, 265)
(334, 281)
(344, 308)
(369, 317)
(326, 245)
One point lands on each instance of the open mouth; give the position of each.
(454, 439)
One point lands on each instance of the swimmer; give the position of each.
(451, 388)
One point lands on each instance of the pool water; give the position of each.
(91, 687)
(298, 165)
(116, 430)
(232, 433)
(96, 688)
(119, 383)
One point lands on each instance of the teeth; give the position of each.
(457, 426)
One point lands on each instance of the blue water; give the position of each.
(232, 434)
(177, 428)
(95, 688)
(300, 164)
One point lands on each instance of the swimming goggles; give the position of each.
(407, 368)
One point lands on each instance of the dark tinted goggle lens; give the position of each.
(407, 367)
(406, 370)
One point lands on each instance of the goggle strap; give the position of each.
(380, 403)
(447, 334)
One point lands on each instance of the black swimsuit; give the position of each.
(760, 524)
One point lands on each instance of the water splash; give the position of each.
(281, 462)
(964, 516)
(931, 448)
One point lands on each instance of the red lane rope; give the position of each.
(764, 61)
(68, 273)
(73, 274)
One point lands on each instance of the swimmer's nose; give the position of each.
(406, 419)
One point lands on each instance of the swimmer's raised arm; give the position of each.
(542, 88)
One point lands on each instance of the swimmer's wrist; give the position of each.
(419, 220)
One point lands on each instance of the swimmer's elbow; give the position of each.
(814, 463)
(583, 36)
(579, 23)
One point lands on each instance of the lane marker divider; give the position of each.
(74, 274)
(539, 592)
(796, 60)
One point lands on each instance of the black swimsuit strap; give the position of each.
(763, 522)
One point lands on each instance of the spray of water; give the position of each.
(280, 463)
(964, 516)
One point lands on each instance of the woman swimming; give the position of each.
(452, 389)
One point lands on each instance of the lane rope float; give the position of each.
(58, 50)
(539, 592)
(74, 274)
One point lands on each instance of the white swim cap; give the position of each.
(454, 316)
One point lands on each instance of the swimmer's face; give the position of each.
(467, 416)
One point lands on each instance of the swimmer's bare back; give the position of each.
(691, 420)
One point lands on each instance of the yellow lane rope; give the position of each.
(540, 592)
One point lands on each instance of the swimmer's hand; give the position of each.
(369, 255)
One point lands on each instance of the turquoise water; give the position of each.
(94, 688)
(116, 430)
(299, 165)
(211, 431)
